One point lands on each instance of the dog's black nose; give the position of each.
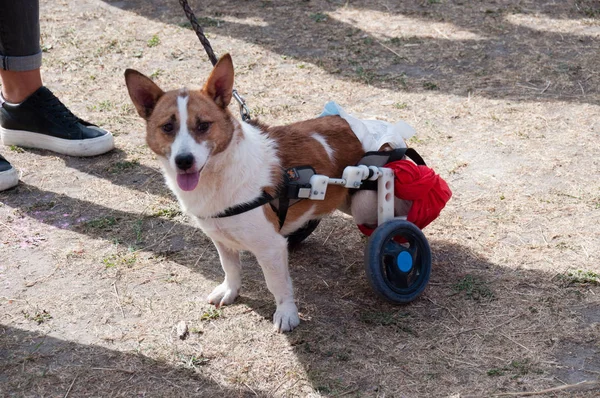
(184, 161)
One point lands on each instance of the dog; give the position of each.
(214, 162)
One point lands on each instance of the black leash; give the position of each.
(244, 111)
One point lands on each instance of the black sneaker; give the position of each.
(43, 122)
(8, 175)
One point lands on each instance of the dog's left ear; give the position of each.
(219, 85)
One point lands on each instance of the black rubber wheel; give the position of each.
(398, 272)
(296, 237)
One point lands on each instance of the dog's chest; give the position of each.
(234, 232)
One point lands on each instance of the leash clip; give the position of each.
(244, 111)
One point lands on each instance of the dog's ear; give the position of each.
(143, 92)
(219, 85)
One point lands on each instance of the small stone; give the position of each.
(182, 330)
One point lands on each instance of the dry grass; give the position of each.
(99, 266)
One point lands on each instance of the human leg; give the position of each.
(30, 115)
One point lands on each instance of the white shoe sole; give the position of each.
(88, 147)
(8, 179)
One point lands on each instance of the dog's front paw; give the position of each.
(224, 294)
(286, 317)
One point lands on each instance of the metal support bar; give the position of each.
(385, 196)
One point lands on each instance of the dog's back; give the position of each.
(328, 145)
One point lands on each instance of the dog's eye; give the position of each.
(202, 127)
(168, 127)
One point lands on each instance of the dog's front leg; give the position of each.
(227, 291)
(273, 259)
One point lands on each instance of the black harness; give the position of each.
(290, 192)
(297, 179)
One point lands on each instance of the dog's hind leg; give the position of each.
(227, 291)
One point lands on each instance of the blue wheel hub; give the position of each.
(404, 261)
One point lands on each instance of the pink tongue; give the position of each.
(188, 182)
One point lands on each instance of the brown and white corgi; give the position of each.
(213, 162)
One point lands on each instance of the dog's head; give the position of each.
(186, 127)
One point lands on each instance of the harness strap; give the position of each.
(414, 155)
(244, 207)
(381, 158)
(281, 209)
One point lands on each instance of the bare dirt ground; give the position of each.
(98, 265)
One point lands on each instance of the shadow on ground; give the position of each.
(54, 367)
(346, 328)
(347, 331)
(498, 55)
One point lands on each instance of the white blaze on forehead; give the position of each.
(182, 102)
(183, 139)
(325, 145)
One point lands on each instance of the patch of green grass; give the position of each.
(208, 21)
(119, 167)
(101, 223)
(38, 316)
(123, 259)
(524, 367)
(589, 8)
(592, 13)
(401, 105)
(106, 105)
(153, 41)
(196, 330)
(495, 372)
(414, 140)
(137, 228)
(156, 74)
(319, 17)
(395, 319)
(365, 75)
(259, 111)
(517, 368)
(473, 288)
(109, 262)
(16, 149)
(401, 79)
(211, 314)
(41, 206)
(194, 361)
(581, 277)
(166, 212)
(430, 86)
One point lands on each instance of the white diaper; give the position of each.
(373, 134)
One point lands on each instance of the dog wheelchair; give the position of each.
(397, 255)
